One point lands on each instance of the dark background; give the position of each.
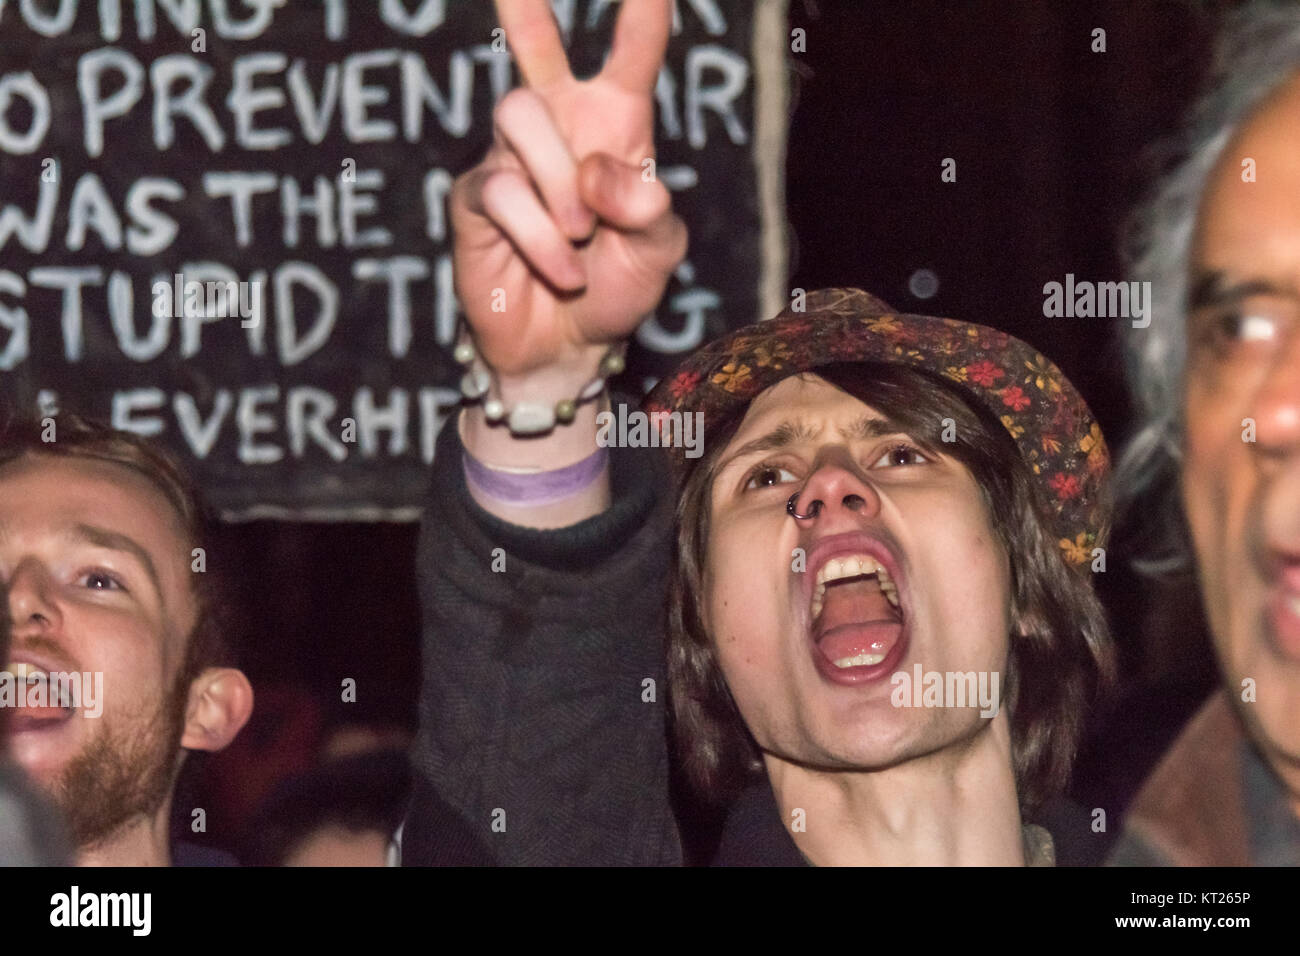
(1053, 148)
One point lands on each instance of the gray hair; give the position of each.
(1258, 50)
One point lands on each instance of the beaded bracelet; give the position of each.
(528, 418)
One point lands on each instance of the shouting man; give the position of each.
(880, 625)
(117, 640)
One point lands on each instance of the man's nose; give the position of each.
(32, 604)
(1277, 403)
(835, 485)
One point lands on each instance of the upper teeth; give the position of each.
(852, 566)
(28, 672)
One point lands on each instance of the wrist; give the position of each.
(551, 383)
(493, 443)
(535, 404)
(493, 446)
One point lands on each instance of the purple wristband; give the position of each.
(534, 488)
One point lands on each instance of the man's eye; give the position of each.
(900, 455)
(1226, 330)
(765, 476)
(100, 581)
(1246, 327)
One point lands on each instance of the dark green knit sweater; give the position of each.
(537, 744)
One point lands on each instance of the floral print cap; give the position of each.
(1058, 436)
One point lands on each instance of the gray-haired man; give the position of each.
(1217, 375)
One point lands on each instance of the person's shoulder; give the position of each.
(1071, 831)
(436, 834)
(754, 833)
(1191, 811)
(1133, 850)
(30, 831)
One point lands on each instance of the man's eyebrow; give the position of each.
(792, 433)
(782, 436)
(114, 541)
(1213, 288)
(872, 426)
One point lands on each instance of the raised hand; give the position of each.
(559, 216)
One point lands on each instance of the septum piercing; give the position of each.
(791, 508)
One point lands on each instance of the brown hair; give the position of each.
(1054, 670)
(71, 436)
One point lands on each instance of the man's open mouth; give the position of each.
(33, 700)
(857, 617)
(1277, 563)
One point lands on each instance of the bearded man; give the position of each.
(100, 536)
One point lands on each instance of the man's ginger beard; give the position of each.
(119, 778)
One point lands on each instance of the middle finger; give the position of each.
(525, 126)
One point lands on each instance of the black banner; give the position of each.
(224, 224)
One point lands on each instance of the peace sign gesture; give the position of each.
(559, 216)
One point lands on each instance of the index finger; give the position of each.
(534, 36)
(640, 42)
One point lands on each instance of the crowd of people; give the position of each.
(857, 625)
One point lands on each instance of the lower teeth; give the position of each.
(860, 660)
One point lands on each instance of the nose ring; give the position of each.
(792, 508)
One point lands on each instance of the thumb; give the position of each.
(637, 206)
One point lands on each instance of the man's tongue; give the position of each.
(857, 623)
(39, 706)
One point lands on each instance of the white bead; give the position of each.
(464, 353)
(494, 409)
(475, 383)
(531, 418)
(591, 389)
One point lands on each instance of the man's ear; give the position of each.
(220, 703)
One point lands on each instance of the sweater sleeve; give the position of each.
(542, 709)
